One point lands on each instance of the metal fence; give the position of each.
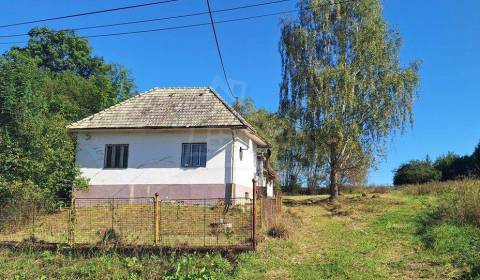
(269, 210)
(129, 221)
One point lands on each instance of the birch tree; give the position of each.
(343, 83)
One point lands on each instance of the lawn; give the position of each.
(372, 236)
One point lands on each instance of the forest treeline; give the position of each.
(447, 167)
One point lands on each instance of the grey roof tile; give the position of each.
(166, 108)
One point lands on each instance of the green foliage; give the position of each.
(416, 172)
(455, 167)
(445, 164)
(344, 90)
(53, 81)
(188, 268)
(37, 264)
(270, 126)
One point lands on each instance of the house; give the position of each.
(182, 143)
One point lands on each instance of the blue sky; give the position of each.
(443, 34)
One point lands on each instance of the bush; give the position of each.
(279, 230)
(110, 237)
(416, 172)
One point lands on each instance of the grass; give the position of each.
(392, 235)
(459, 200)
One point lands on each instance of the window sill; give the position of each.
(113, 168)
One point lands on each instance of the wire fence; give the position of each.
(129, 221)
(268, 211)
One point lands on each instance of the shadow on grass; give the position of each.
(473, 274)
(127, 251)
(306, 202)
(451, 242)
(343, 206)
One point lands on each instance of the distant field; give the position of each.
(364, 236)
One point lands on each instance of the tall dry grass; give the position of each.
(459, 201)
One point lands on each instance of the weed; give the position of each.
(110, 237)
(279, 230)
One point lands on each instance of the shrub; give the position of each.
(279, 230)
(110, 236)
(416, 172)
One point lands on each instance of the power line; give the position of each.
(219, 51)
(173, 27)
(186, 26)
(159, 19)
(89, 13)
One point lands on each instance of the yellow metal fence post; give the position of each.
(156, 220)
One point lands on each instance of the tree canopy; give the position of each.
(449, 166)
(344, 90)
(52, 81)
(416, 172)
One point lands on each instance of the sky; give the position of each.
(443, 35)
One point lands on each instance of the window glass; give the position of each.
(203, 155)
(108, 157)
(186, 155)
(116, 156)
(194, 154)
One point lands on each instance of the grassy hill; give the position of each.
(426, 231)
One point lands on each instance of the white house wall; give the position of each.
(154, 164)
(245, 165)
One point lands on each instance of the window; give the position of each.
(194, 154)
(116, 156)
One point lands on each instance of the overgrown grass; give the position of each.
(459, 201)
(397, 235)
(32, 264)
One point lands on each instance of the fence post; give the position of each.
(254, 212)
(72, 220)
(33, 221)
(156, 222)
(204, 221)
(113, 213)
